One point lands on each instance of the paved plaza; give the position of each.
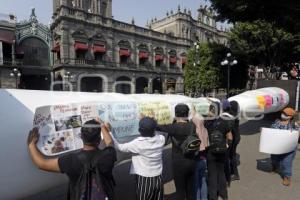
(256, 182)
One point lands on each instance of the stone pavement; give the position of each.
(256, 182)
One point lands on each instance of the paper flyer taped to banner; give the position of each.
(278, 141)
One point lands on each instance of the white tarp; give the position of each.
(277, 141)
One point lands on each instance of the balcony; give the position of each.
(10, 62)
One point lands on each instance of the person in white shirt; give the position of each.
(147, 161)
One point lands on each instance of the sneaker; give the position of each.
(286, 181)
(235, 177)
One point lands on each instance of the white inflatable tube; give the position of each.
(261, 101)
(18, 175)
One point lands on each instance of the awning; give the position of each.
(183, 60)
(99, 49)
(56, 48)
(81, 46)
(124, 52)
(7, 36)
(143, 54)
(159, 57)
(173, 59)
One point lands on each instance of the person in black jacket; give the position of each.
(183, 168)
(234, 110)
(217, 185)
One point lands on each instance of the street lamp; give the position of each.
(197, 48)
(229, 61)
(17, 74)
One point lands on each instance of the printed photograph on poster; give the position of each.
(67, 123)
(58, 142)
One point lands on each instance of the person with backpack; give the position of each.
(234, 111)
(283, 163)
(220, 138)
(89, 169)
(147, 161)
(184, 166)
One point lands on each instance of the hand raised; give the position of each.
(33, 136)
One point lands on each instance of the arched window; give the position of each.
(173, 58)
(143, 54)
(159, 56)
(124, 52)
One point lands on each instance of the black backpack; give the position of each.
(191, 144)
(217, 139)
(92, 184)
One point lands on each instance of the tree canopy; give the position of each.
(204, 75)
(261, 42)
(285, 14)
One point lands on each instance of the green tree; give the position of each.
(284, 14)
(261, 42)
(205, 75)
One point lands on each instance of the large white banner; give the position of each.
(277, 141)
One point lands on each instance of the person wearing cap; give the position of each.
(71, 164)
(147, 161)
(283, 163)
(183, 168)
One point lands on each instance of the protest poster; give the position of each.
(278, 141)
(201, 106)
(124, 119)
(160, 110)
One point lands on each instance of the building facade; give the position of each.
(93, 52)
(25, 49)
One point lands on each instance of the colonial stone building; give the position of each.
(25, 59)
(94, 52)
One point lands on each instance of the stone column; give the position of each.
(117, 57)
(13, 55)
(65, 47)
(150, 86)
(163, 83)
(137, 58)
(1, 53)
(133, 84)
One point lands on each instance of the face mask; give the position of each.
(285, 117)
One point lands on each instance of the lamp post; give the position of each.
(196, 60)
(17, 74)
(197, 49)
(229, 61)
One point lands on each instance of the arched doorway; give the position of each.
(171, 85)
(34, 52)
(157, 85)
(141, 85)
(91, 84)
(123, 85)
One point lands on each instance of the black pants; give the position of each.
(233, 159)
(149, 188)
(216, 176)
(183, 172)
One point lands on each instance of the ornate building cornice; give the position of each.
(32, 28)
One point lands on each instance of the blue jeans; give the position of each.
(200, 186)
(284, 162)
